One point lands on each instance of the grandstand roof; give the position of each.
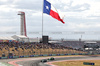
(54, 41)
(19, 36)
(90, 42)
(6, 38)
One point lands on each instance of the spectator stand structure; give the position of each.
(19, 49)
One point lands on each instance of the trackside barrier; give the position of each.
(86, 54)
(83, 54)
(66, 54)
(46, 55)
(58, 54)
(21, 56)
(36, 55)
(40, 55)
(50, 55)
(4, 57)
(31, 56)
(80, 53)
(26, 56)
(95, 53)
(69, 54)
(89, 54)
(10, 57)
(76, 53)
(53, 54)
(73, 54)
(61, 54)
(15, 56)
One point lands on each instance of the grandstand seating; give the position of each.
(23, 49)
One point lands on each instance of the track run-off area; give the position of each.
(35, 61)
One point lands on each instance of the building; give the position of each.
(21, 38)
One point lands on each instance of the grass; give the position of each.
(77, 63)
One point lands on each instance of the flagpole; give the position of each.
(42, 17)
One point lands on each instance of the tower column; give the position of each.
(23, 24)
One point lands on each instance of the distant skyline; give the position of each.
(80, 15)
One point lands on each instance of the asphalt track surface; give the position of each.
(36, 61)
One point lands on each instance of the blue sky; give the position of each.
(80, 16)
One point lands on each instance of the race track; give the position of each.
(36, 61)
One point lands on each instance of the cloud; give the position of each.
(79, 15)
(76, 8)
(69, 7)
(29, 5)
(6, 2)
(79, 8)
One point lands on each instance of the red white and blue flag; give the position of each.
(50, 10)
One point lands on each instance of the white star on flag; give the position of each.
(47, 7)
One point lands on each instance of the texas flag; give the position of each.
(50, 10)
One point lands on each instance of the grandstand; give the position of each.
(18, 48)
(24, 49)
